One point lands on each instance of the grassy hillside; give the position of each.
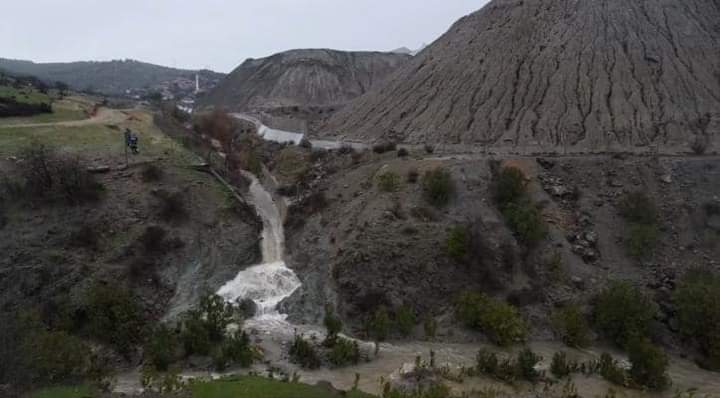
(112, 77)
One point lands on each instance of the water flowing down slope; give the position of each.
(267, 284)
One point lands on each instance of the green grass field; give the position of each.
(24, 95)
(97, 143)
(238, 387)
(260, 387)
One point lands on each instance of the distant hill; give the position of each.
(108, 77)
(556, 75)
(303, 78)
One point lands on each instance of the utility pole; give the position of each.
(126, 137)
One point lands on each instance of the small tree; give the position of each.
(560, 366)
(527, 360)
(500, 321)
(458, 241)
(622, 313)
(649, 364)
(161, 350)
(438, 187)
(510, 186)
(388, 181)
(379, 324)
(405, 320)
(304, 354)
(572, 326)
(333, 325)
(698, 311)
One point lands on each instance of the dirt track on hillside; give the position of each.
(103, 116)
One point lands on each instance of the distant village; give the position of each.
(183, 90)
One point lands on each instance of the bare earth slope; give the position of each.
(575, 75)
(303, 78)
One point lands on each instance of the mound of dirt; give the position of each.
(303, 78)
(566, 75)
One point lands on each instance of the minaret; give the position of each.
(197, 83)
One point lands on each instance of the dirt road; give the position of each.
(103, 116)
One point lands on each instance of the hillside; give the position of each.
(564, 75)
(112, 77)
(303, 78)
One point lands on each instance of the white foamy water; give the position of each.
(268, 283)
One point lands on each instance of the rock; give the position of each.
(667, 179)
(713, 222)
(578, 282)
(98, 169)
(545, 163)
(591, 237)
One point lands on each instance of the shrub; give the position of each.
(333, 325)
(622, 312)
(637, 207)
(234, 350)
(47, 175)
(430, 327)
(429, 149)
(58, 356)
(412, 176)
(389, 181)
(458, 241)
(405, 320)
(642, 240)
(572, 326)
(205, 326)
(115, 317)
(525, 219)
(487, 362)
(195, 336)
(151, 173)
(438, 187)
(379, 324)
(172, 206)
(526, 363)
(610, 370)
(698, 312)
(86, 236)
(560, 367)
(153, 239)
(521, 214)
(510, 186)
(344, 352)
(304, 354)
(500, 321)
(162, 348)
(383, 147)
(700, 145)
(649, 364)
(402, 153)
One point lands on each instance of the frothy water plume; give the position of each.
(270, 282)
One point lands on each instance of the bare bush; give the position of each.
(49, 175)
(172, 205)
(151, 173)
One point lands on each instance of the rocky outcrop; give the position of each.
(304, 78)
(561, 75)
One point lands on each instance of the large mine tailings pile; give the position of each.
(303, 78)
(561, 75)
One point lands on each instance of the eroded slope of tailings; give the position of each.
(563, 75)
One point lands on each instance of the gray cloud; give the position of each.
(216, 34)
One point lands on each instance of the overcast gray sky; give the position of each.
(216, 34)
